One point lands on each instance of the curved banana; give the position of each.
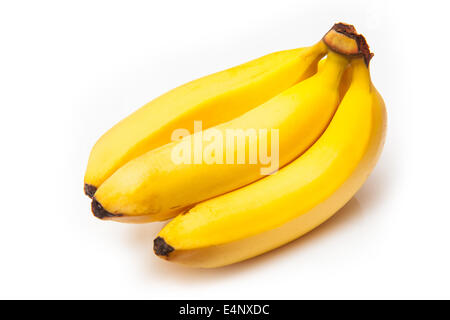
(282, 207)
(213, 99)
(155, 187)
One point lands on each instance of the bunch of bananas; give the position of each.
(330, 125)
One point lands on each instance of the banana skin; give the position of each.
(227, 214)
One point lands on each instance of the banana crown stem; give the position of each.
(343, 39)
(360, 73)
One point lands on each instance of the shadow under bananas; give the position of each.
(143, 236)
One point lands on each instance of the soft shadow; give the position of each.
(143, 234)
(377, 187)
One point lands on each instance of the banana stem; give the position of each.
(343, 39)
(333, 68)
(360, 73)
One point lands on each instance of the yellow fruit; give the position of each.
(154, 187)
(282, 207)
(345, 80)
(213, 99)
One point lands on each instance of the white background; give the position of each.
(69, 70)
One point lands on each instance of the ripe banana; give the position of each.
(154, 187)
(345, 80)
(214, 99)
(280, 208)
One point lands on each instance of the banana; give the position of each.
(214, 99)
(345, 80)
(280, 208)
(155, 187)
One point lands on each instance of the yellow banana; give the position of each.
(213, 99)
(282, 207)
(155, 187)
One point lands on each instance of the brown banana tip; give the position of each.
(89, 190)
(100, 212)
(161, 248)
(357, 46)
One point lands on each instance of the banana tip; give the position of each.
(100, 212)
(89, 190)
(161, 248)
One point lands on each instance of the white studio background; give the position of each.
(69, 70)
